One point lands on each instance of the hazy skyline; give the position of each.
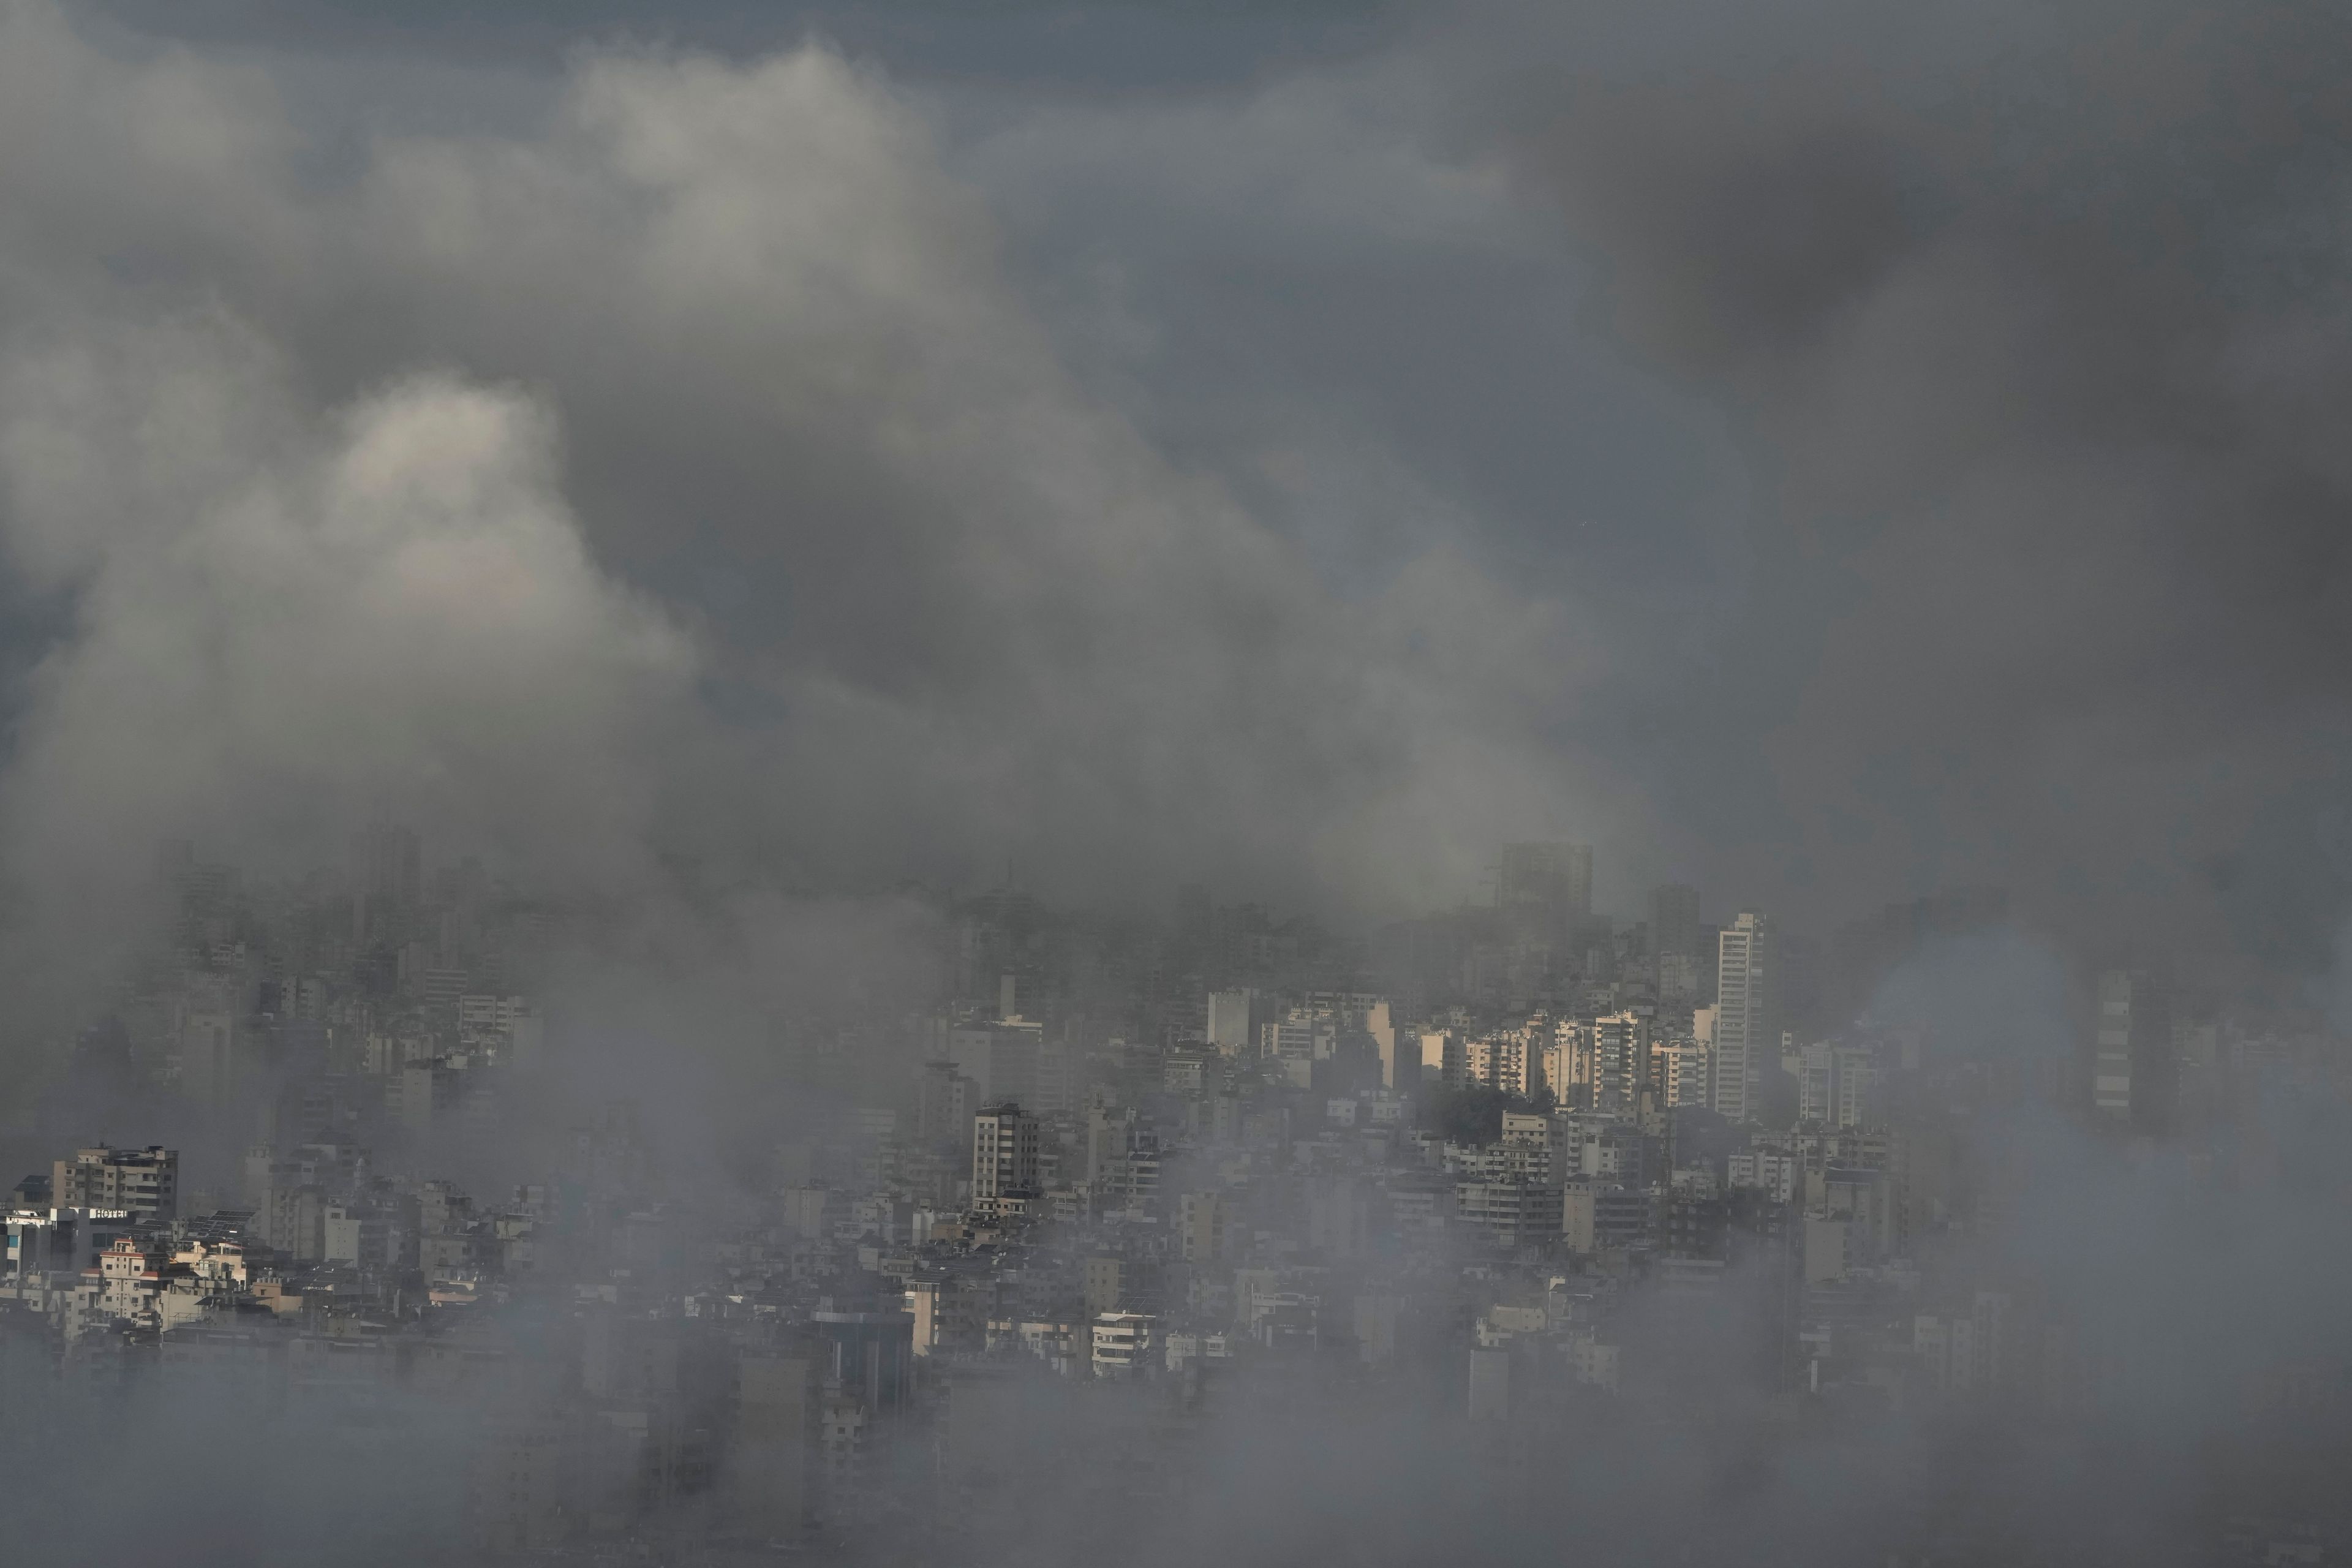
(709, 493)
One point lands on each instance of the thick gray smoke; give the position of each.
(2033, 325)
(739, 487)
(679, 472)
(1828, 456)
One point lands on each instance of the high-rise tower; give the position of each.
(1746, 1020)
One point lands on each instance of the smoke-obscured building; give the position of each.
(2134, 1072)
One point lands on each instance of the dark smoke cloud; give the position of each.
(1822, 454)
(2033, 332)
(678, 475)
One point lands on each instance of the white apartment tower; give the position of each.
(1620, 1061)
(1747, 1030)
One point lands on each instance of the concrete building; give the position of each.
(490, 1022)
(1512, 1214)
(429, 1093)
(130, 1274)
(362, 1236)
(1964, 1352)
(1122, 1344)
(1402, 1062)
(1855, 1100)
(1747, 1027)
(1500, 1060)
(1612, 1152)
(1596, 1217)
(144, 1183)
(1564, 1056)
(292, 1220)
(1004, 1159)
(1773, 1171)
(945, 1102)
(951, 1311)
(2135, 1072)
(1447, 1051)
(60, 1243)
(1104, 1284)
(1836, 1085)
(1297, 1039)
(1683, 1071)
(1620, 1061)
(1201, 1220)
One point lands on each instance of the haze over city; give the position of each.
(922, 782)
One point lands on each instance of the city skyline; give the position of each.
(1056, 782)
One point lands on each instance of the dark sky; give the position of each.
(1822, 453)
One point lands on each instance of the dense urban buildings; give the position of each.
(1102, 1185)
(1175, 785)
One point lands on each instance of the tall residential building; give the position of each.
(1857, 1086)
(145, 1183)
(1300, 1036)
(1448, 1051)
(1204, 1221)
(1620, 1061)
(1000, 1059)
(1400, 1059)
(1837, 1085)
(1501, 1059)
(1682, 1072)
(1746, 1025)
(2134, 1073)
(1003, 1158)
(1565, 1062)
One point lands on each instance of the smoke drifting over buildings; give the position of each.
(1188, 784)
